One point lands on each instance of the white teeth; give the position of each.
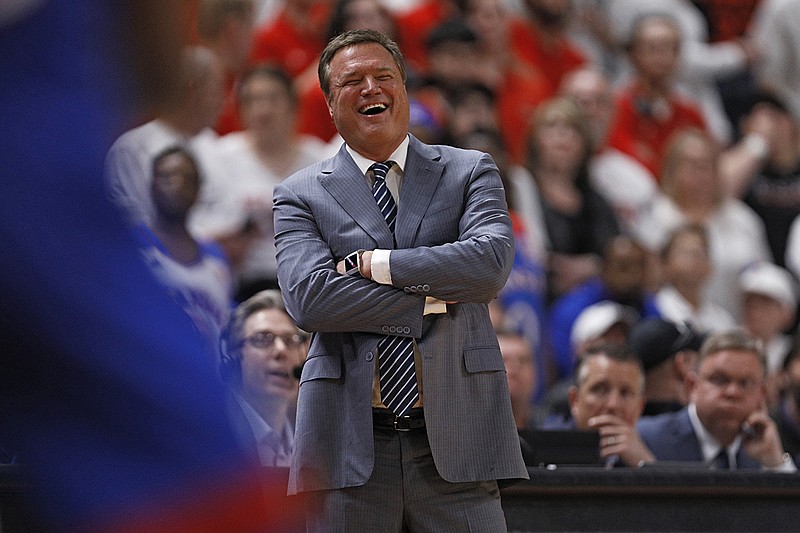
(372, 109)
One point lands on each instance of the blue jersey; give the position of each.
(103, 396)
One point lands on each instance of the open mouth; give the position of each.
(373, 109)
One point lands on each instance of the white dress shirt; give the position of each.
(381, 272)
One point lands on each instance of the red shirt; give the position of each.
(229, 116)
(414, 26)
(554, 60)
(518, 96)
(727, 19)
(637, 132)
(293, 48)
(313, 116)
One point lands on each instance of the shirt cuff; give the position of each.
(756, 145)
(379, 264)
(787, 466)
(434, 306)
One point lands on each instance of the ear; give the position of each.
(708, 268)
(691, 379)
(787, 317)
(683, 363)
(572, 396)
(762, 403)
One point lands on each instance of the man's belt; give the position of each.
(383, 418)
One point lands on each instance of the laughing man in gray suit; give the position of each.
(391, 266)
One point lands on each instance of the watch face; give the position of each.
(351, 263)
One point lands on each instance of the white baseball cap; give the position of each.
(598, 318)
(769, 280)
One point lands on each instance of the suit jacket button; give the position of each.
(370, 356)
(392, 329)
(385, 329)
(426, 288)
(406, 330)
(407, 290)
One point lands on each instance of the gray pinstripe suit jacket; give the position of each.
(455, 243)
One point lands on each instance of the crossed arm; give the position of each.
(471, 269)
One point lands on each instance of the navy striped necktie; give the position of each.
(382, 195)
(398, 379)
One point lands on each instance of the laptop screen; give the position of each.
(541, 447)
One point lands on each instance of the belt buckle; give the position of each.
(397, 419)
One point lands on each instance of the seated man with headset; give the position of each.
(262, 355)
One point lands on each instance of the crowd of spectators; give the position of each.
(650, 153)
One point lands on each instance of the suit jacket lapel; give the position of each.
(420, 179)
(344, 181)
(685, 438)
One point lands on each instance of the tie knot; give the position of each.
(381, 169)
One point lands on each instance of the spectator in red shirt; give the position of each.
(727, 19)
(543, 41)
(649, 110)
(519, 86)
(416, 24)
(295, 38)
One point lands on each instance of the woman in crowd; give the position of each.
(693, 194)
(578, 220)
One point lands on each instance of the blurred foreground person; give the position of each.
(120, 425)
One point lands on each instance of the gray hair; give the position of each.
(267, 299)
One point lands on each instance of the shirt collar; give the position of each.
(709, 446)
(261, 430)
(398, 156)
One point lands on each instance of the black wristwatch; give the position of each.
(352, 263)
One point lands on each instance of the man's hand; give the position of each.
(619, 438)
(761, 439)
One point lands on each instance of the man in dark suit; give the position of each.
(262, 349)
(726, 424)
(608, 397)
(398, 277)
